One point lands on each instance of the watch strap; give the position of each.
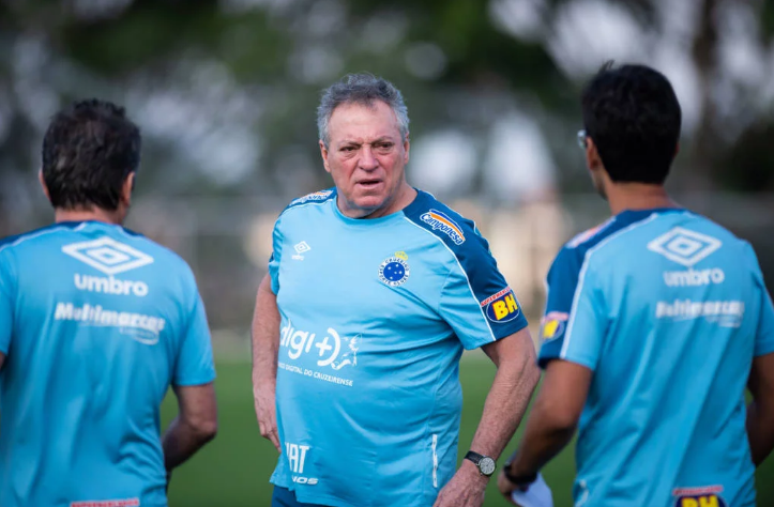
(519, 480)
(474, 457)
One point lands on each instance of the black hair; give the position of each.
(632, 114)
(89, 150)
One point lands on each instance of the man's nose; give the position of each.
(368, 161)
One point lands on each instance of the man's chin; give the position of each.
(369, 203)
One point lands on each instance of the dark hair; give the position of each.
(360, 89)
(632, 115)
(88, 151)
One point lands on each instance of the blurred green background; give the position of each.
(234, 470)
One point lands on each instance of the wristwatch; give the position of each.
(517, 480)
(486, 465)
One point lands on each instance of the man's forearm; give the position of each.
(181, 441)
(542, 441)
(265, 339)
(760, 431)
(505, 405)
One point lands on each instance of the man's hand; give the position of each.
(466, 489)
(534, 494)
(505, 486)
(266, 412)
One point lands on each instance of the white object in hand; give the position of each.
(538, 495)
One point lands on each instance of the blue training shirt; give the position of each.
(668, 310)
(375, 316)
(96, 323)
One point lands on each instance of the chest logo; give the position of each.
(394, 271)
(301, 249)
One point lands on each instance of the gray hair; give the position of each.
(360, 89)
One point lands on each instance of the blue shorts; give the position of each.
(285, 498)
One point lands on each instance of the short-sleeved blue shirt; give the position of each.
(96, 323)
(668, 309)
(375, 315)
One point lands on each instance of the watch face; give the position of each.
(487, 466)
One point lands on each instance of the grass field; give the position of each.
(234, 470)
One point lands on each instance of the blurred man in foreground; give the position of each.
(96, 322)
(655, 323)
(374, 289)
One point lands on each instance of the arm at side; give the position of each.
(195, 425)
(554, 416)
(511, 391)
(760, 412)
(265, 345)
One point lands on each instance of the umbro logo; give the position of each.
(688, 247)
(684, 246)
(108, 255)
(301, 249)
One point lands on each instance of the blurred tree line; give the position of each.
(225, 91)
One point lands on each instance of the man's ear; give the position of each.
(127, 188)
(43, 185)
(324, 153)
(593, 160)
(406, 148)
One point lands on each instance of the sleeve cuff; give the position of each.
(195, 381)
(763, 351)
(511, 330)
(582, 361)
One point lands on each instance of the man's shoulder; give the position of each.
(164, 253)
(315, 198)
(33, 238)
(458, 233)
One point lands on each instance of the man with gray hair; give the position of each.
(374, 290)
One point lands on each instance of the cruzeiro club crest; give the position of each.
(395, 270)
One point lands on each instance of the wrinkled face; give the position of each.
(366, 157)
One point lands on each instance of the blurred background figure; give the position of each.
(225, 91)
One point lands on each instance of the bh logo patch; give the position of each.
(699, 497)
(552, 326)
(502, 307)
(394, 271)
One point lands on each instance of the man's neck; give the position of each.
(83, 215)
(637, 196)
